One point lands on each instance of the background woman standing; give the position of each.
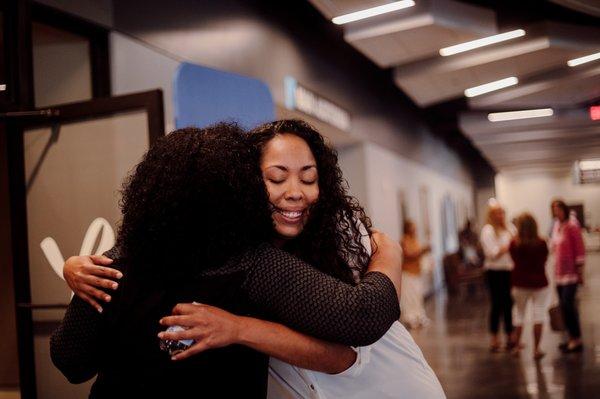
(495, 241)
(569, 253)
(411, 301)
(529, 253)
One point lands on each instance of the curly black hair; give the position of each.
(196, 199)
(331, 239)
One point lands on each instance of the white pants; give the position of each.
(412, 307)
(539, 302)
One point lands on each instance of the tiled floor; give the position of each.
(456, 343)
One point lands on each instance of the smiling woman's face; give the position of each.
(290, 173)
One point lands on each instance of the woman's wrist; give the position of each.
(245, 330)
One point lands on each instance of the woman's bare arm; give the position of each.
(212, 327)
(387, 259)
(295, 348)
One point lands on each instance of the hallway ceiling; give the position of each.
(407, 42)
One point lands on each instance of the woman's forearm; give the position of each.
(285, 344)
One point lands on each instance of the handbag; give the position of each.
(557, 322)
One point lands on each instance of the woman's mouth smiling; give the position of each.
(291, 217)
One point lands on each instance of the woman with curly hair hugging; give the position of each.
(196, 227)
(315, 220)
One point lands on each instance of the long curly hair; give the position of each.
(196, 199)
(331, 239)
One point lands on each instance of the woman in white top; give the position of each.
(392, 367)
(495, 238)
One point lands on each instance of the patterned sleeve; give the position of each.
(75, 344)
(293, 293)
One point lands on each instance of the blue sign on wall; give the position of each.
(204, 96)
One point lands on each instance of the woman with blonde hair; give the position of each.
(529, 253)
(496, 236)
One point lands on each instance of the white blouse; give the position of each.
(492, 243)
(392, 367)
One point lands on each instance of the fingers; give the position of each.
(193, 350)
(95, 293)
(99, 282)
(186, 308)
(191, 333)
(184, 321)
(101, 260)
(91, 301)
(102, 271)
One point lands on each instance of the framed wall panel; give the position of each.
(66, 164)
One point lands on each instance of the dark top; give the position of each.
(120, 345)
(530, 264)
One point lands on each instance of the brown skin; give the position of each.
(212, 327)
(537, 337)
(292, 180)
(85, 274)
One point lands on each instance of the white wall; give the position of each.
(352, 162)
(534, 192)
(385, 174)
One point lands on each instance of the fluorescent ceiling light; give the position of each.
(486, 41)
(514, 115)
(371, 12)
(592, 164)
(2, 87)
(492, 86)
(583, 60)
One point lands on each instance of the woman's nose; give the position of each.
(294, 192)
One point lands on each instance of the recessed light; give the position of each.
(525, 114)
(492, 86)
(371, 12)
(583, 60)
(486, 41)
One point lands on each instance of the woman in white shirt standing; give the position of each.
(496, 236)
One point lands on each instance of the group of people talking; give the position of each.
(249, 245)
(515, 263)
